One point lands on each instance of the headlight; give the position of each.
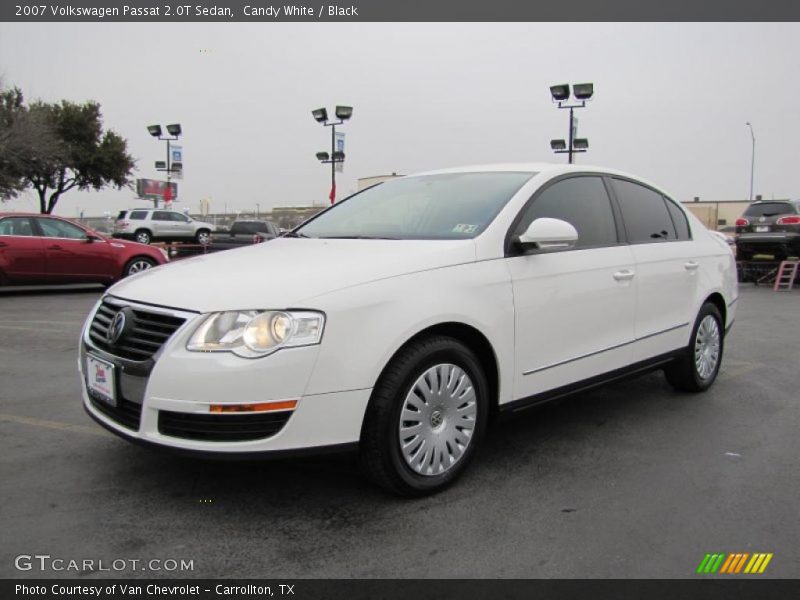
(165, 254)
(254, 333)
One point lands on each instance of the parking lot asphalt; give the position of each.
(629, 480)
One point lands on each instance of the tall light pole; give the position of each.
(752, 159)
(561, 93)
(343, 113)
(174, 131)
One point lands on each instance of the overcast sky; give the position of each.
(671, 101)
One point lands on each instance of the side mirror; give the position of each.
(91, 238)
(548, 235)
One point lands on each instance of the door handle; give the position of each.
(54, 247)
(691, 265)
(624, 275)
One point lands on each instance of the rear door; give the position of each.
(667, 267)
(574, 309)
(71, 256)
(22, 255)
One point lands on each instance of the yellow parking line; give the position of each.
(57, 425)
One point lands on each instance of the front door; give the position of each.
(71, 256)
(574, 309)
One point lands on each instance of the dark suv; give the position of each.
(769, 227)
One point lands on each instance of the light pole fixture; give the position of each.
(343, 113)
(752, 159)
(582, 92)
(174, 131)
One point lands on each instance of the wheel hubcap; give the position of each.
(437, 419)
(139, 265)
(706, 347)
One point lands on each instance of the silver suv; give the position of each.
(145, 225)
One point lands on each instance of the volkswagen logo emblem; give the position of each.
(116, 328)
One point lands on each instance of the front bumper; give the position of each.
(165, 401)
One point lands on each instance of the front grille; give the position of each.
(221, 428)
(142, 340)
(126, 413)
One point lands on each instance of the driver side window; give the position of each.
(580, 201)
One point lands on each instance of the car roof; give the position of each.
(31, 214)
(547, 170)
(775, 202)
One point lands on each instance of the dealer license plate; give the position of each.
(100, 379)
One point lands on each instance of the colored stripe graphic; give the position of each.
(703, 563)
(741, 562)
(765, 563)
(734, 563)
(727, 564)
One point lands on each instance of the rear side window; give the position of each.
(138, 215)
(644, 212)
(580, 201)
(770, 209)
(161, 215)
(121, 215)
(16, 226)
(679, 220)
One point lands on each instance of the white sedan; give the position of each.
(402, 320)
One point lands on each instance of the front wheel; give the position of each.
(203, 237)
(699, 365)
(426, 417)
(137, 265)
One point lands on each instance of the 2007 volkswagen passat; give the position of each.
(401, 320)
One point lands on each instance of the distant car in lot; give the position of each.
(401, 320)
(769, 227)
(243, 232)
(145, 225)
(43, 249)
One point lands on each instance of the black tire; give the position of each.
(381, 457)
(203, 237)
(142, 236)
(138, 264)
(683, 374)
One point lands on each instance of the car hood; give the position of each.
(286, 272)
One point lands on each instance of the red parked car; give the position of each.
(45, 249)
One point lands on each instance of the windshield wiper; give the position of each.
(358, 237)
(296, 234)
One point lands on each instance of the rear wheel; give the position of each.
(699, 365)
(426, 417)
(142, 236)
(137, 265)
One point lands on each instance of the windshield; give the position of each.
(429, 207)
(769, 209)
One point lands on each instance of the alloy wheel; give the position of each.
(706, 347)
